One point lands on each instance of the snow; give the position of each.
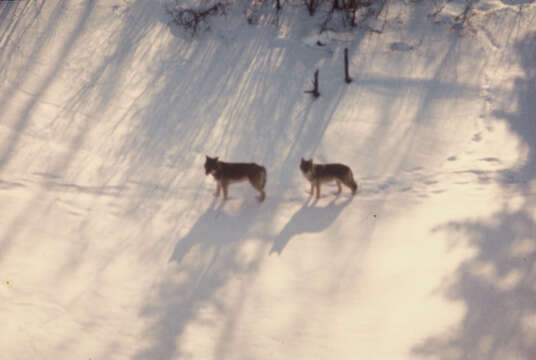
(112, 245)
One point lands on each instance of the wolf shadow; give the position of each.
(216, 229)
(308, 219)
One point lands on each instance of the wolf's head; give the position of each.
(306, 165)
(211, 165)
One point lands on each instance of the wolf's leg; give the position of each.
(262, 196)
(258, 184)
(352, 185)
(218, 189)
(339, 188)
(224, 186)
(259, 187)
(311, 192)
(317, 185)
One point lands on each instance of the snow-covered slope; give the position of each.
(112, 245)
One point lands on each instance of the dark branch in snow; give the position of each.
(462, 22)
(314, 91)
(347, 77)
(192, 19)
(311, 6)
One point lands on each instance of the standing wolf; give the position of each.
(317, 174)
(226, 173)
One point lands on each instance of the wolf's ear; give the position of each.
(216, 158)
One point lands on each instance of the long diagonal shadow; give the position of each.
(215, 228)
(213, 242)
(308, 219)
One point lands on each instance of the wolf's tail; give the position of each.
(352, 183)
(263, 177)
(354, 187)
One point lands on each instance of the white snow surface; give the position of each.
(112, 245)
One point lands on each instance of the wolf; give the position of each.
(226, 173)
(317, 174)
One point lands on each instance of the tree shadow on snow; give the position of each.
(496, 286)
(520, 114)
(497, 290)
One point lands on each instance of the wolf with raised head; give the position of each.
(226, 173)
(318, 174)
